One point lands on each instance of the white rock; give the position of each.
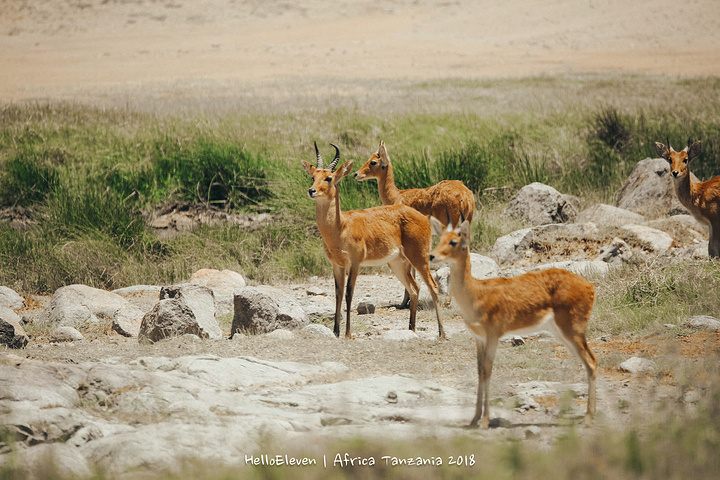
(317, 330)
(10, 298)
(76, 305)
(609, 216)
(281, 334)
(650, 238)
(399, 335)
(263, 309)
(65, 334)
(649, 191)
(201, 301)
(222, 283)
(702, 321)
(540, 204)
(637, 365)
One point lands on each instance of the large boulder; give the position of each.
(516, 245)
(649, 190)
(12, 333)
(685, 229)
(609, 216)
(171, 317)
(263, 309)
(201, 301)
(481, 267)
(222, 283)
(649, 238)
(143, 297)
(702, 322)
(77, 305)
(540, 204)
(9, 298)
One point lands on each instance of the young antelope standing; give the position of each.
(491, 308)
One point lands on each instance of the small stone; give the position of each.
(281, 334)
(365, 308)
(65, 334)
(317, 330)
(399, 335)
(314, 291)
(516, 341)
(637, 365)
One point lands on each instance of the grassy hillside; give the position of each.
(85, 174)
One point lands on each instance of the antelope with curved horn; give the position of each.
(491, 308)
(396, 235)
(702, 199)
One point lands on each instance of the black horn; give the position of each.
(319, 158)
(335, 161)
(668, 143)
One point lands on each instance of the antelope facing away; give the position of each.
(396, 235)
(449, 198)
(554, 299)
(702, 199)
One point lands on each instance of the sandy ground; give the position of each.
(68, 48)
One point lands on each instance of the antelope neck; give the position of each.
(329, 220)
(389, 193)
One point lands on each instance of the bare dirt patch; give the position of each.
(101, 50)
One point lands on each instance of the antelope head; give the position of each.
(376, 166)
(679, 161)
(325, 180)
(454, 242)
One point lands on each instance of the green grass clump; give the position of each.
(642, 297)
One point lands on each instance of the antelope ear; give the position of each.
(436, 226)
(382, 153)
(662, 150)
(309, 169)
(343, 170)
(694, 150)
(465, 234)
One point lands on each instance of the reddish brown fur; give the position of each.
(702, 199)
(449, 197)
(397, 235)
(491, 308)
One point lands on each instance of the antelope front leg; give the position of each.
(352, 276)
(714, 242)
(339, 275)
(485, 356)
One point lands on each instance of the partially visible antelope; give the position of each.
(449, 198)
(702, 199)
(396, 235)
(551, 298)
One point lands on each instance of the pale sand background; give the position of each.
(73, 49)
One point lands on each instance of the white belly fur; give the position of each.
(381, 261)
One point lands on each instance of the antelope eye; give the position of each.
(328, 179)
(453, 243)
(685, 160)
(373, 163)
